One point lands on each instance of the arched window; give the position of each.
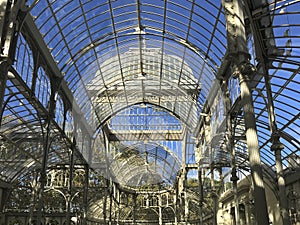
(42, 89)
(69, 127)
(24, 65)
(59, 111)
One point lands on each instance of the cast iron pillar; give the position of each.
(243, 70)
(85, 194)
(160, 217)
(214, 194)
(200, 189)
(260, 202)
(186, 201)
(70, 188)
(230, 143)
(43, 172)
(277, 147)
(134, 196)
(47, 141)
(104, 205)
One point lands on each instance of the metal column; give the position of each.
(70, 188)
(214, 194)
(277, 147)
(230, 144)
(176, 202)
(32, 202)
(43, 172)
(200, 189)
(247, 213)
(47, 141)
(243, 70)
(160, 219)
(85, 195)
(110, 202)
(106, 192)
(134, 208)
(186, 202)
(234, 180)
(260, 202)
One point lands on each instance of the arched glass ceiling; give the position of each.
(85, 37)
(145, 166)
(118, 53)
(142, 152)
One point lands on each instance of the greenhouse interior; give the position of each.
(149, 112)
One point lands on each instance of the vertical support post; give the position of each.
(2, 215)
(200, 189)
(105, 201)
(176, 214)
(107, 146)
(90, 150)
(253, 150)
(43, 178)
(234, 180)
(213, 194)
(4, 193)
(46, 147)
(186, 202)
(183, 153)
(184, 177)
(237, 49)
(85, 195)
(247, 213)
(176, 202)
(70, 188)
(110, 202)
(134, 209)
(33, 197)
(186, 208)
(1, 206)
(160, 219)
(230, 144)
(68, 209)
(221, 180)
(47, 141)
(277, 147)
(119, 203)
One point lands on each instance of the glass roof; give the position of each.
(145, 166)
(118, 54)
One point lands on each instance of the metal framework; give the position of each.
(139, 111)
